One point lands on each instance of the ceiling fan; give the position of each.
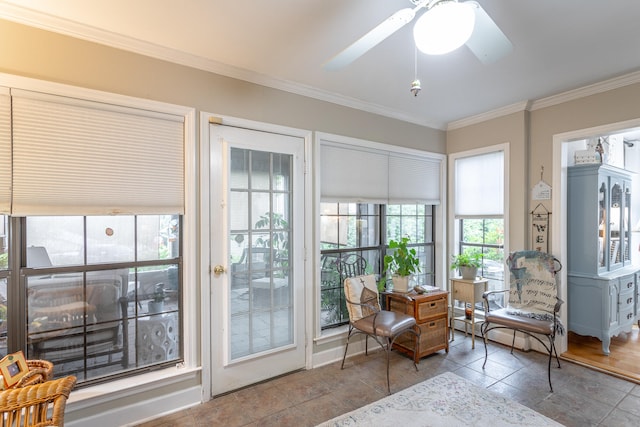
(484, 38)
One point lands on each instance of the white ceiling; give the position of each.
(559, 45)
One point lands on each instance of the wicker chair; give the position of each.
(36, 405)
(39, 372)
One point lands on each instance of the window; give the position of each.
(101, 293)
(4, 275)
(479, 212)
(91, 244)
(356, 228)
(485, 236)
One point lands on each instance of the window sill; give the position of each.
(90, 396)
(331, 335)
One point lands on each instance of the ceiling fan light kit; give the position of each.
(445, 27)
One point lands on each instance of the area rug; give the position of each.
(445, 400)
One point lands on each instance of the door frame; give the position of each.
(206, 164)
(560, 162)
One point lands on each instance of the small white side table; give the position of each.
(468, 292)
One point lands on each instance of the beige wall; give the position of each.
(530, 137)
(48, 56)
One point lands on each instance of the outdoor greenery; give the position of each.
(279, 236)
(488, 233)
(366, 229)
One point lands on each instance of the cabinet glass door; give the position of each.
(615, 224)
(626, 223)
(603, 229)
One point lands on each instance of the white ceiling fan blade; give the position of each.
(371, 39)
(487, 41)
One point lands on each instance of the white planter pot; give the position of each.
(400, 283)
(156, 307)
(468, 273)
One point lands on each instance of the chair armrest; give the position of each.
(485, 297)
(556, 307)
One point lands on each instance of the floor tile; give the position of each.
(581, 397)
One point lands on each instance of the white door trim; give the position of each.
(204, 233)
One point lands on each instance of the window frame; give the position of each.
(191, 304)
(455, 240)
(381, 247)
(17, 285)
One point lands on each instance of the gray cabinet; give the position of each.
(602, 284)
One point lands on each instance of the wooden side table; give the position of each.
(468, 292)
(431, 311)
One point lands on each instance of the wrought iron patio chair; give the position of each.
(532, 305)
(366, 317)
(351, 265)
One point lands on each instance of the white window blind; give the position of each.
(414, 180)
(351, 173)
(5, 151)
(479, 185)
(73, 157)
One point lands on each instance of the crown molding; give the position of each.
(32, 18)
(593, 89)
(493, 114)
(29, 17)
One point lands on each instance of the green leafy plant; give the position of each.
(403, 261)
(466, 259)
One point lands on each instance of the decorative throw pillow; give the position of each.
(369, 298)
(354, 288)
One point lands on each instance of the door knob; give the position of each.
(218, 269)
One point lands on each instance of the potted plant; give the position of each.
(156, 305)
(467, 264)
(401, 264)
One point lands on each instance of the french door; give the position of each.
(257, 203)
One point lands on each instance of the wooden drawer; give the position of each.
(400, 306)
(433, 337)
(427, 309)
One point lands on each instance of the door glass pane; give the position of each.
(261, 295)
(239, 177)
(281, 172)
(260, 168)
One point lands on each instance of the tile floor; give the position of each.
(581, 397)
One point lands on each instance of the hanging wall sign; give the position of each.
(540, 228)
(542, 190)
